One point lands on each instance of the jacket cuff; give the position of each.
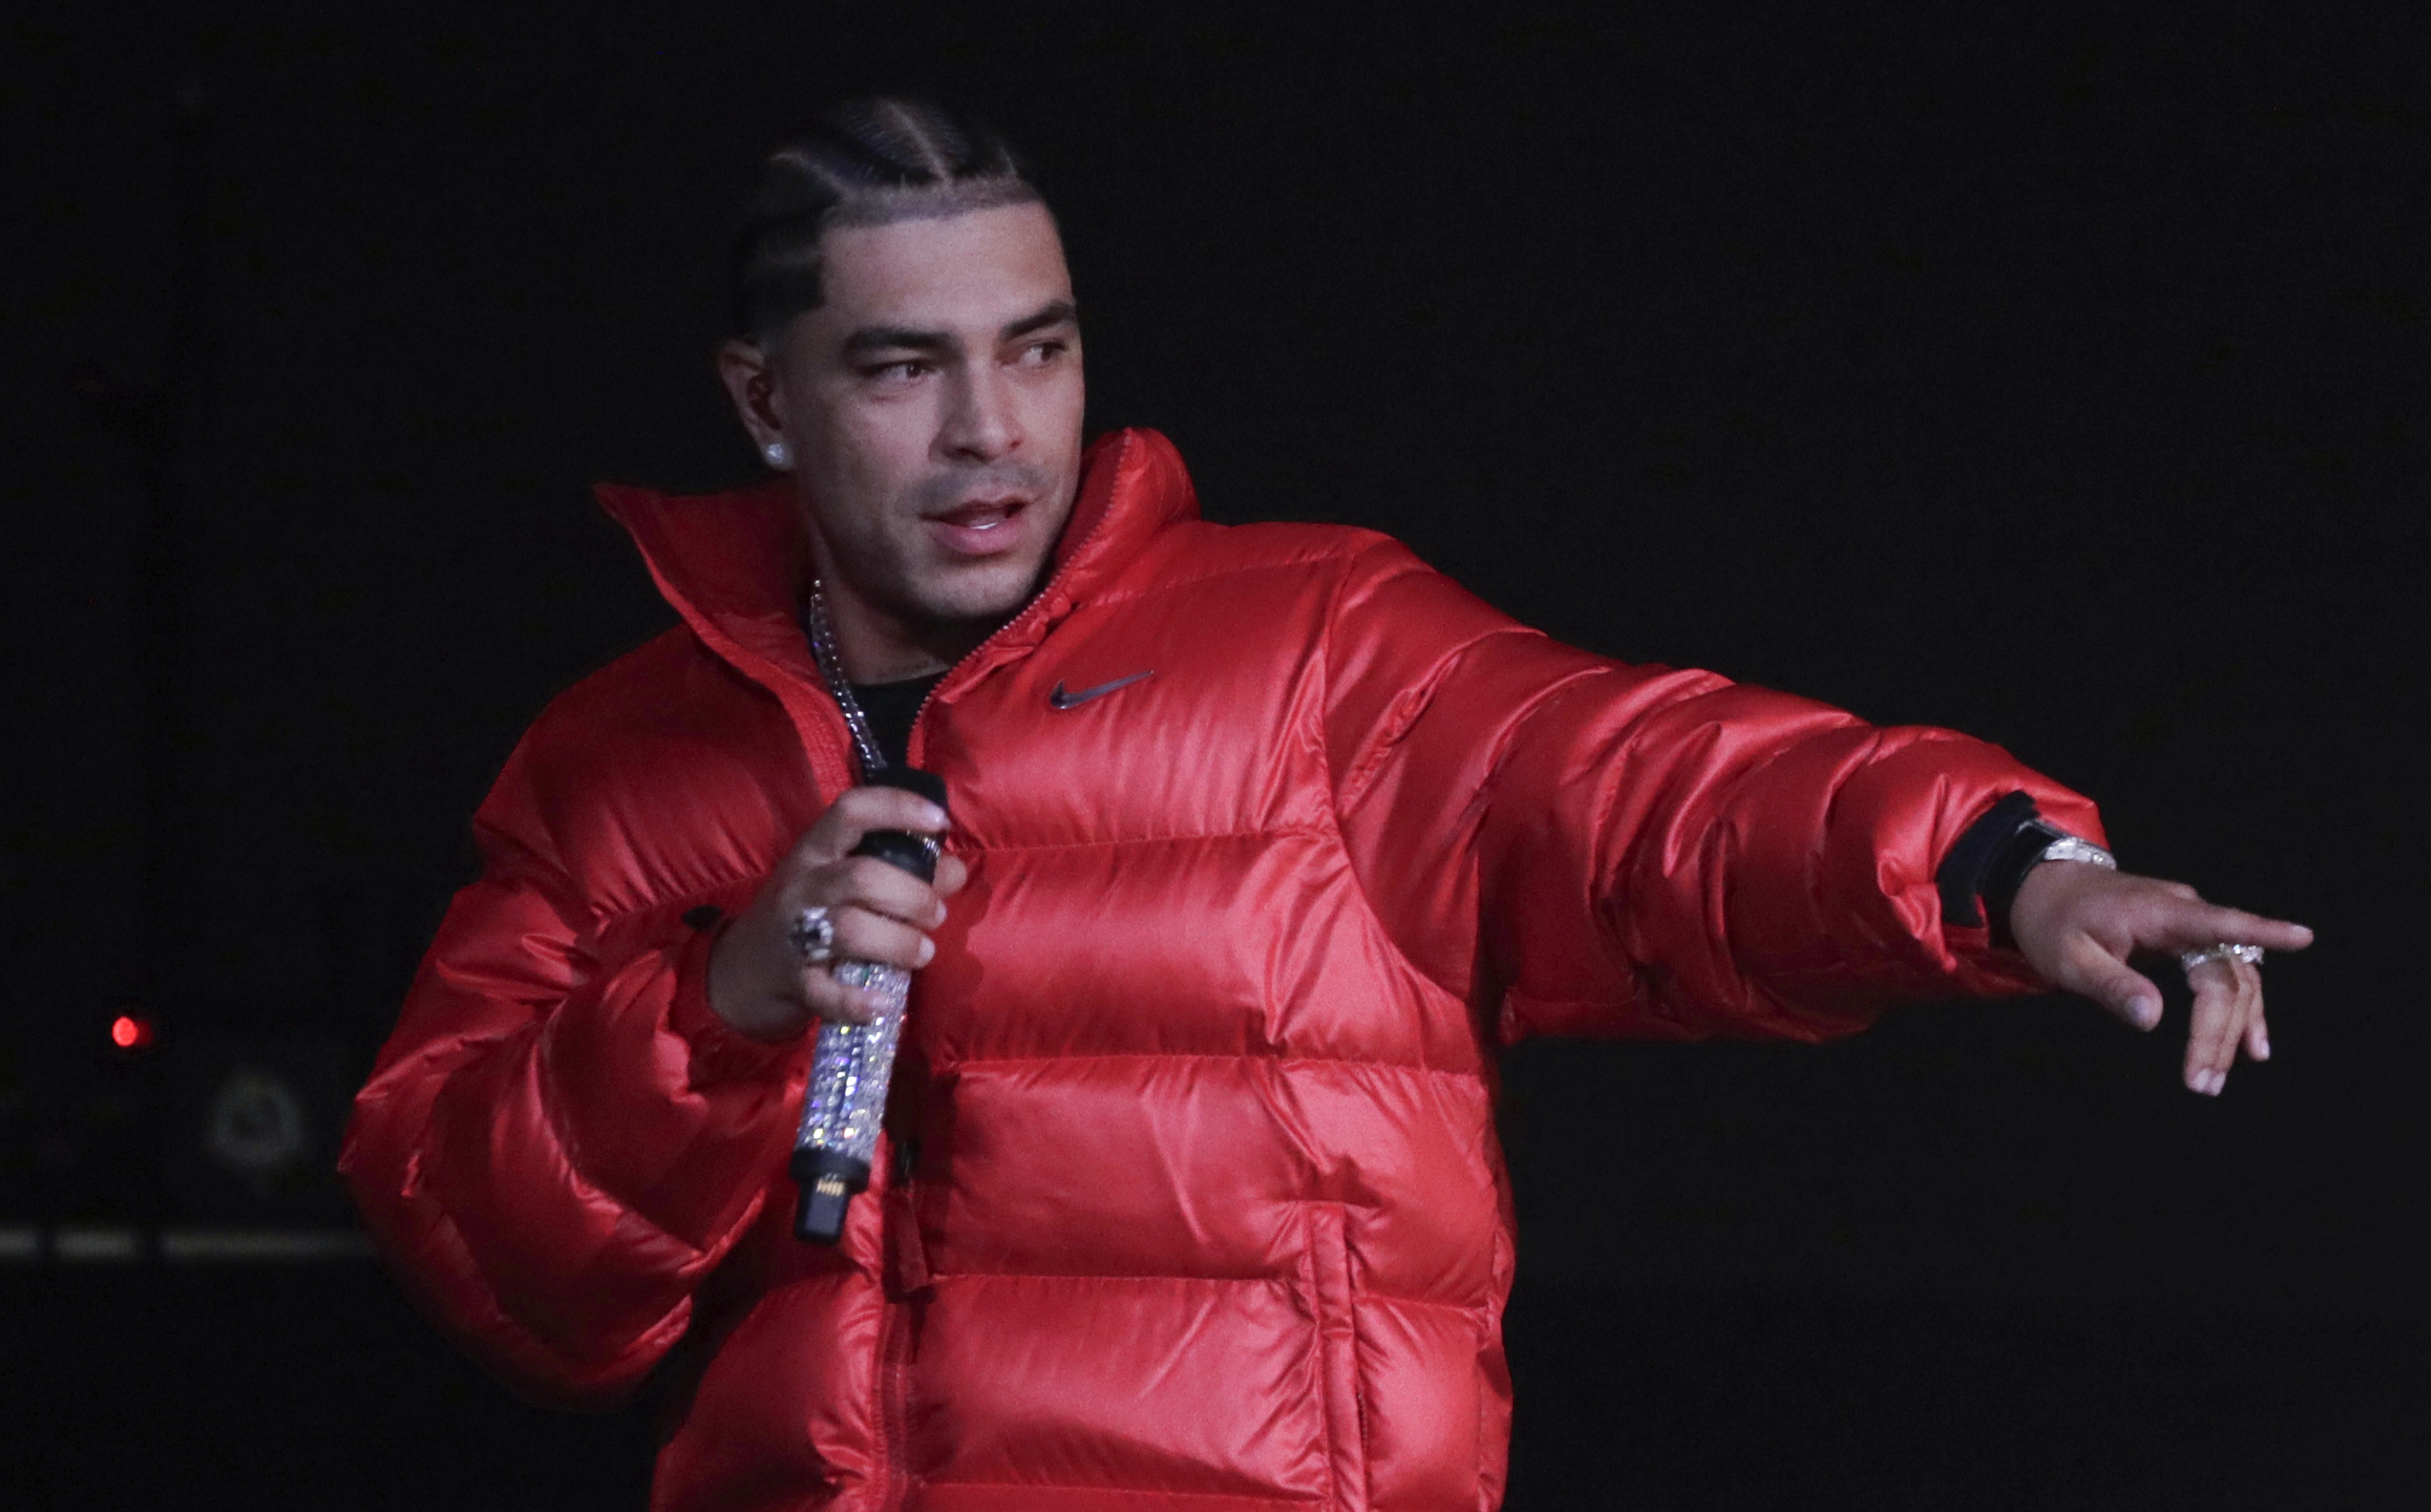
(720, 1054)
(1965, 875)
(1979, 878)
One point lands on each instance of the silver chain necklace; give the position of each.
(823, 651)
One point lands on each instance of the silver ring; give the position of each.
(2224, 951)
(813, 934)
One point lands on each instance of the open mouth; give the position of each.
(984, 514)
(980, 525)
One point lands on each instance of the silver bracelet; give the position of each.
(2069, 848)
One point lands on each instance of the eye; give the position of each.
(902, 371)
(1039, 354)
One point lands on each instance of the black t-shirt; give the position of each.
(891, 709)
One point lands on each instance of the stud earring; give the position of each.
(775, 454)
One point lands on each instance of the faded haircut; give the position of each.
(859, 162)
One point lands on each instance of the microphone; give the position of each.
(846, 1099)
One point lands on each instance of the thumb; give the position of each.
(2095, 973)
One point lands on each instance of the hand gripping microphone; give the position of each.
(845, 1100)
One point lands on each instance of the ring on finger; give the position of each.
(813, 934)
(2224, 951)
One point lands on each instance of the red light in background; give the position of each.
(131, 1031)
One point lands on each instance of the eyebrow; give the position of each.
(870, 339)
(1054, 312)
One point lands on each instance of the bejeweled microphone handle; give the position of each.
(845, 1100)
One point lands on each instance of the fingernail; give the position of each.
(2262, 1044)
(928, 950)
(2213, 1082)
(933, 816)
(2146, 1013)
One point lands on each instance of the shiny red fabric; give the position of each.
(1207, 1210)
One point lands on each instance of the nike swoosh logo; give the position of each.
(1061, 699)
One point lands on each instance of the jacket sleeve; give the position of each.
(561, 1140)
(1580, 846)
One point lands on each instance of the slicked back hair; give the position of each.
(860, 162)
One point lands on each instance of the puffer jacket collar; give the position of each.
(734, 565)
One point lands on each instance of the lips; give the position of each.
(981, 513)
(979, 527)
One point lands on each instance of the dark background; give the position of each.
(2060, 378)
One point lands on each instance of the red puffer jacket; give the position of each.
(1206, 1209)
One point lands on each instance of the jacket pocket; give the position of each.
(1326, 1279)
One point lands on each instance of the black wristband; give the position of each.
(1964, 875)
(2007, 873)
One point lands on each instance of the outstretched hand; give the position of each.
(2076, 925)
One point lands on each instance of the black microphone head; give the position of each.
(911, 779)
(916, 853)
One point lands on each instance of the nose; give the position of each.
(982, 421)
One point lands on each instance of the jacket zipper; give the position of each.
(1334, 1310)
(893, 1392)
(894, 1344)
(1035, 606)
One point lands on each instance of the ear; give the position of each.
(750, 382)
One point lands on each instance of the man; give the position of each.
(1262, 839)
